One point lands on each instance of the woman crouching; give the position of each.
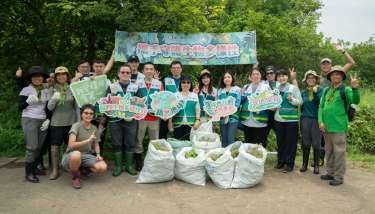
(83, 137)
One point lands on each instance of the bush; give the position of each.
(362, 130)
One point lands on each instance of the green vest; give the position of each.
(170, 85)
(132, 89)
(261, 116)
(235, 92)
(202, 97)
(288, 111)
(187, 112)
(155, 87)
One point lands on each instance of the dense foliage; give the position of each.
(61, 32)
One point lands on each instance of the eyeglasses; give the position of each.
(185, 82)
(88, 113)
(268, 73)
(125, 72)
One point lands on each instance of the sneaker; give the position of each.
(327, 177)
(76, 183)
(335, 182)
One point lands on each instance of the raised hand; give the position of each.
(19, 72)
(339, 48)
(157, 75)
(293, 73)
(354, 81)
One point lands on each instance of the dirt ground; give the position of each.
(277, 193)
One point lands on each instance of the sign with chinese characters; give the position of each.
(127, 107)
(190, 49)
(89, 91)
(220, 108)
(264, 100)
(166, 104)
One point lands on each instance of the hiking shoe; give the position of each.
(335, 182)
(327, 177)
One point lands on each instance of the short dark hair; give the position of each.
(282, 72)
(87, 106)
(98, 61)
(186, 78)
(82, 62)
(222, 84)
(148, 63)
(175, 62)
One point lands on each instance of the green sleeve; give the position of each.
(352, 95)
(356, 96)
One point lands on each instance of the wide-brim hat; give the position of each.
(36, 70)
(205, 72)
(61, 70)
(310, 72)
(336, 68)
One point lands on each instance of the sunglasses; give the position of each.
(268, 73)
(88, 113)
(185, 82)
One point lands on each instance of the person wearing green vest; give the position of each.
(334, 122)
(189, 116)
(205, 91)
(150, 123)
(255, 123)
(286, 122)
(229, 124)
(123, 132)
(310, 132)
(172, 84)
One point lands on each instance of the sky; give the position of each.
(349, 20)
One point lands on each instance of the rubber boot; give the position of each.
(316, 160)
(129, 163)
(138, 162)
(55, 155)
(39, 168)
(118, 164)
(305, 158)
(29, 175)
(76, 179)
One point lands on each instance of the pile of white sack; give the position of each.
(239, 165)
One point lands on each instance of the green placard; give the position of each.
(268, 99)
(220, 108)
(89, 91)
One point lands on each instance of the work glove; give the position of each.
(45, 125)
(32, 99)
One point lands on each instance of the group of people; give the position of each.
(50, 114)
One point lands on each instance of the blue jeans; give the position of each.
(228, 132)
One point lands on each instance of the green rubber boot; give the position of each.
(118, 162)
(129, 163)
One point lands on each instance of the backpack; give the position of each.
(350, 111)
